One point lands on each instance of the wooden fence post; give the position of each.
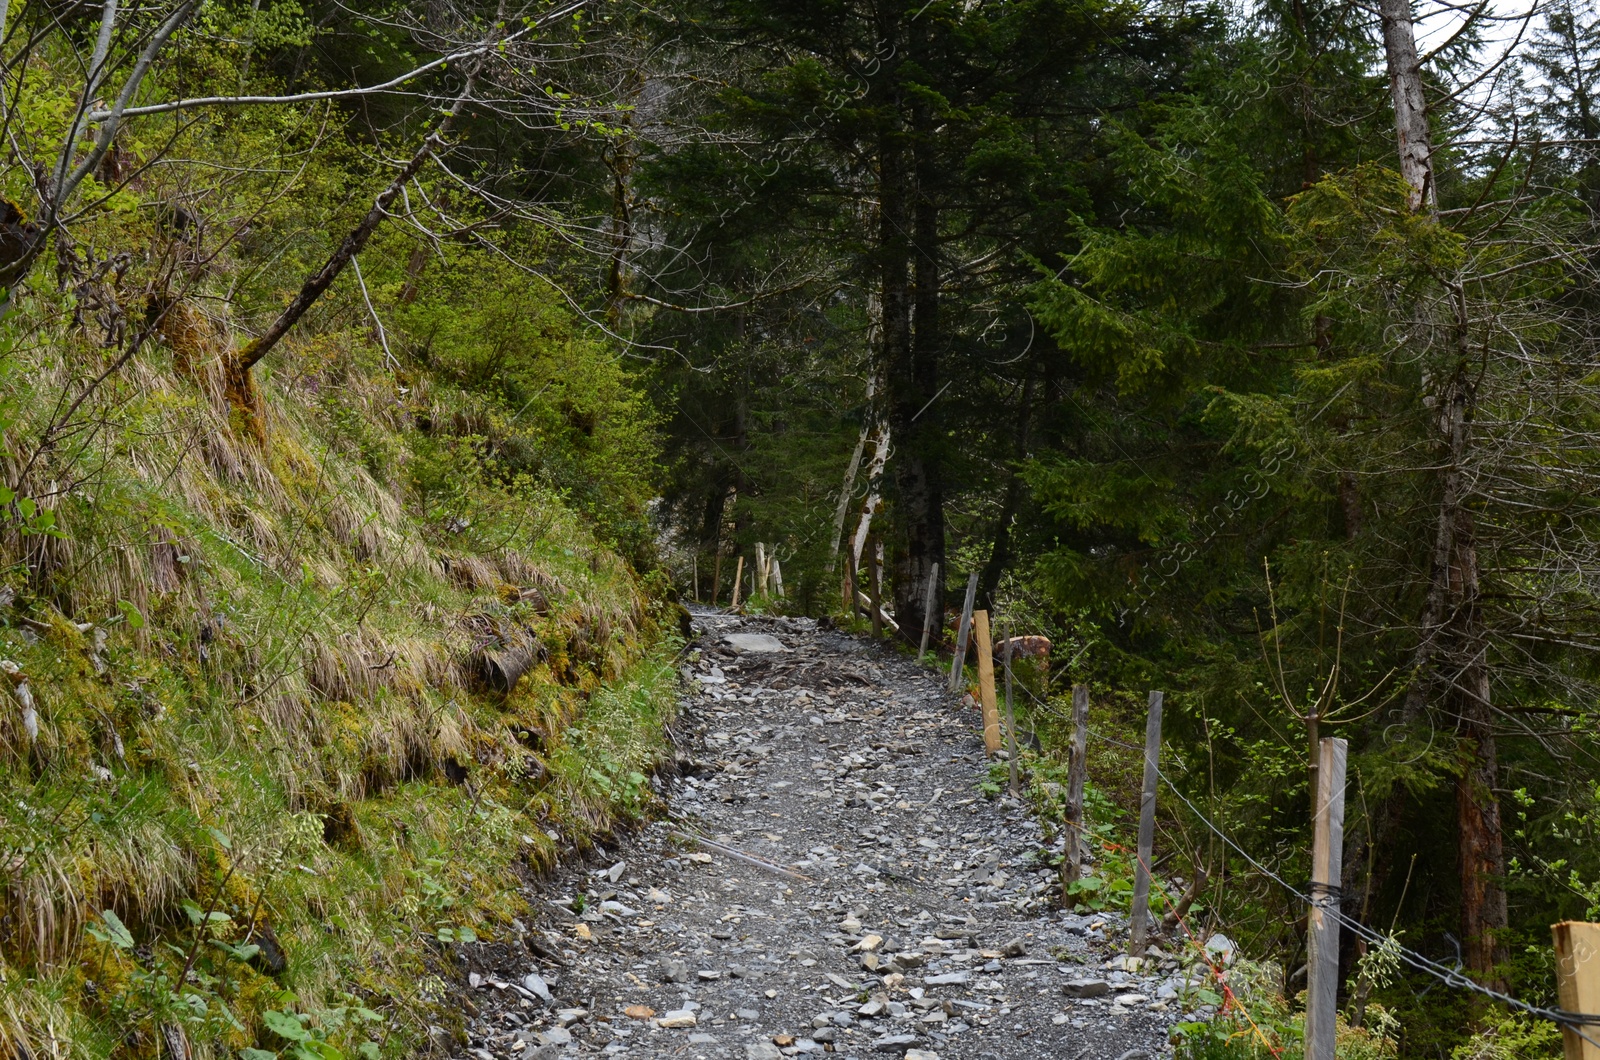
(738, 575)
(875, 585)
(1139, 919)
(777, 578)
(760, 572)
(960, 659)
(927, 610)
(1077, 773)
(991, 710)
(1327, 862)
(1011, 721)
(1578, 982)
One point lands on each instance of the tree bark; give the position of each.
(1000, 553)
(912, 358)
(1450, 661)
(842, 511)
(1480, 850)
(353, 243)
(1410, 104)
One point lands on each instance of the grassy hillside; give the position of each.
(302, 670)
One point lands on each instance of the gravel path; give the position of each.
(855, 892)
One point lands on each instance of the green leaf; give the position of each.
(256, 1054)
(120, 936)
(130, 614)
(242, 954)
(285, 1025)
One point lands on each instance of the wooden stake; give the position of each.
(928, 609)
(759, 575)
(875, 550)
(960, 660)
(1077, 773)
(1139, 921)
(1011, 724)
(991, 710)
(738, 575)
(716, 576)
(1322, 936)
(1578, 982)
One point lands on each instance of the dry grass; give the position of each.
(272, 640)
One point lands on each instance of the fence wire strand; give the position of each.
(1450, 977)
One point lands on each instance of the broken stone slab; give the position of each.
(534, 984)
(678, 1017)
(752, 643)
(948, 979)
(894, 1043)
(1086, 988)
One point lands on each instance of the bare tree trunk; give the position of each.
(869, 507)
(619, 157)
(1000, 554)
(843, 510)
(356, 241)
(352, 245)
(1410, 105)
(1451, 654)
(1480, 850)
(908, 243)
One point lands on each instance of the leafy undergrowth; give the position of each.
(297, 690)
(1259, 1024)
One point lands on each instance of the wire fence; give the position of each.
(1450, 977)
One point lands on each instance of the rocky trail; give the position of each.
(830, 880)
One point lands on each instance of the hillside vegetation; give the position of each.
(305, 669)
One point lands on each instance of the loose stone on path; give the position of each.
(879, 905)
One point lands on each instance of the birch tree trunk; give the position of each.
(842, 512)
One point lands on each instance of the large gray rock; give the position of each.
(894, 1043)
(1086, 988)
(752, 642)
